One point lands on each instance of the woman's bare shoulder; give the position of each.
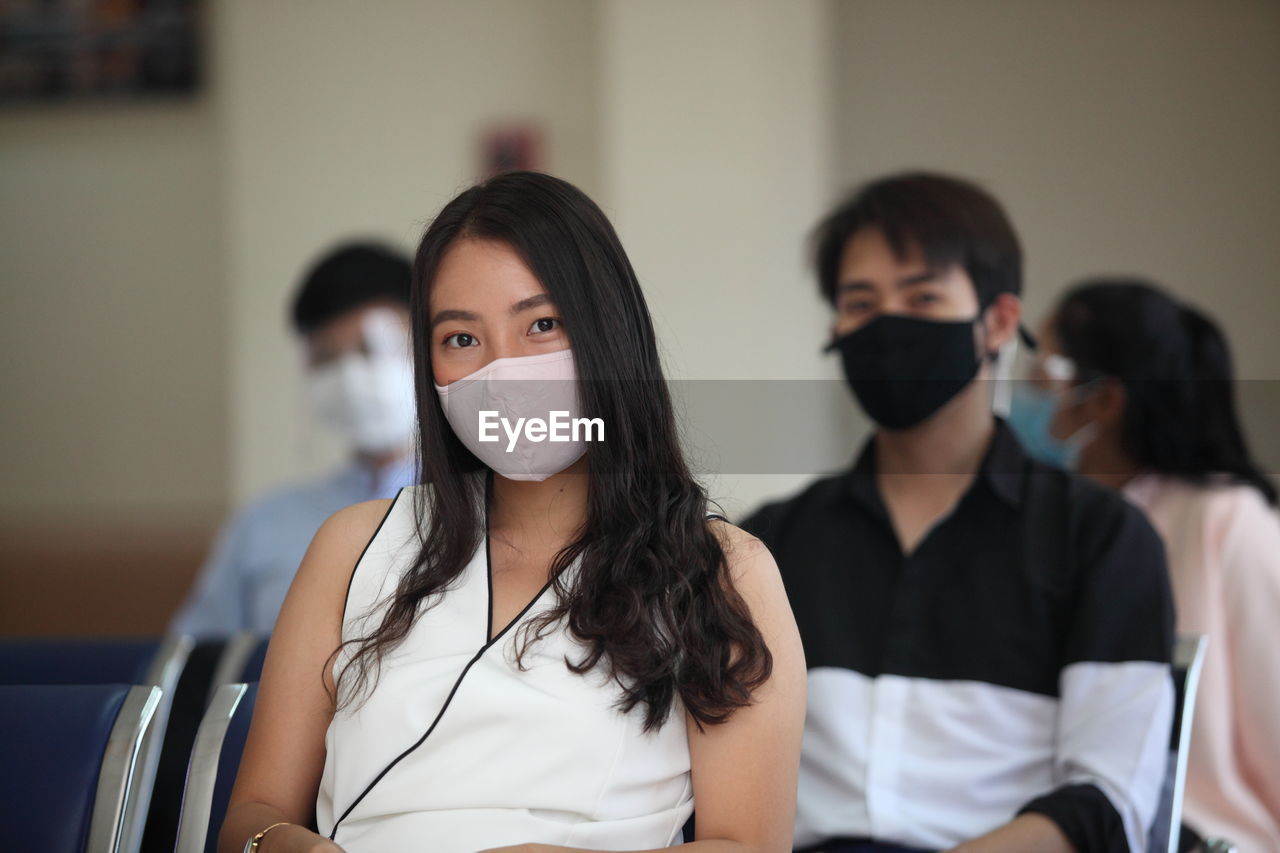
(744, 553)
(734, 538)
(341, 540)
(359, 522)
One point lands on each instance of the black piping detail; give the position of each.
(352, 578)
(488, 557)
(458, 683)
(488, 576)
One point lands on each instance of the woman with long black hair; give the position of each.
(550, 643)
(1138, 389)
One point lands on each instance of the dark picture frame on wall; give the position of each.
(78, 50)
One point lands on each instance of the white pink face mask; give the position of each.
(521, 416)
(368, 399)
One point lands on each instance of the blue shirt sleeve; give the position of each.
(215, 605)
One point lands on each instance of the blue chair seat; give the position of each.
(72, 754)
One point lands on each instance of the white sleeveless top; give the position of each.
(458, 749)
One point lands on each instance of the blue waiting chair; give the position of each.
(214, 762)
(241, 661)
(156, 662)
(76, 660)
(190, 699)
(72, 762)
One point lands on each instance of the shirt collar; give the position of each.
(396, 476)
(384, 482)
(1005, 465)
(1003, 468)
(861, 479)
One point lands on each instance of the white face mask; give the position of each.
(369, 399)
(500, 401)
(366, 399)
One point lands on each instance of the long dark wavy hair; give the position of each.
(652, 600)
(1180, 411)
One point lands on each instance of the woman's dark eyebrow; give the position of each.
(531, 302)
(453, 314)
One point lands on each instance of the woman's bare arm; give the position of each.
(284, 755)
(745, 770)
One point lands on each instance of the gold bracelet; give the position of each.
(252, 846)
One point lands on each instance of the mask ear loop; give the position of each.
(1002, 361)
(1002, 364)
(1085, 434)
(1024, 334)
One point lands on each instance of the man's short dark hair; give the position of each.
(349, 277)
(951, 220)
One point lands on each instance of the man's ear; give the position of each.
(1000, 321)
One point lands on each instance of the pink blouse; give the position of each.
(1223, 545)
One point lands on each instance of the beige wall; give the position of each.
(1124, 137)
(716, 135)
(112, 310)
(148, 251)
(337, 121)
(703, 129)
(716, 148)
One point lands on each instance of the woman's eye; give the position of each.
(926, 298)
(856, 307)
(460, 340)
(544, 324)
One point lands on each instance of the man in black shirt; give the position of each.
(988, 638)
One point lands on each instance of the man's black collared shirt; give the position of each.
(1016, 660)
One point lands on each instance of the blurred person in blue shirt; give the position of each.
(352, 315)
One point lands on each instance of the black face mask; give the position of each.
(903, 369)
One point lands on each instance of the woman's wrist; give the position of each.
(291, 838)
(255, 842)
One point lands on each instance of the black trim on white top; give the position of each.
(458, 683)
(356, 567)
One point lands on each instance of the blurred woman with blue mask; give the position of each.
(1135, 390)
(1036, 403)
